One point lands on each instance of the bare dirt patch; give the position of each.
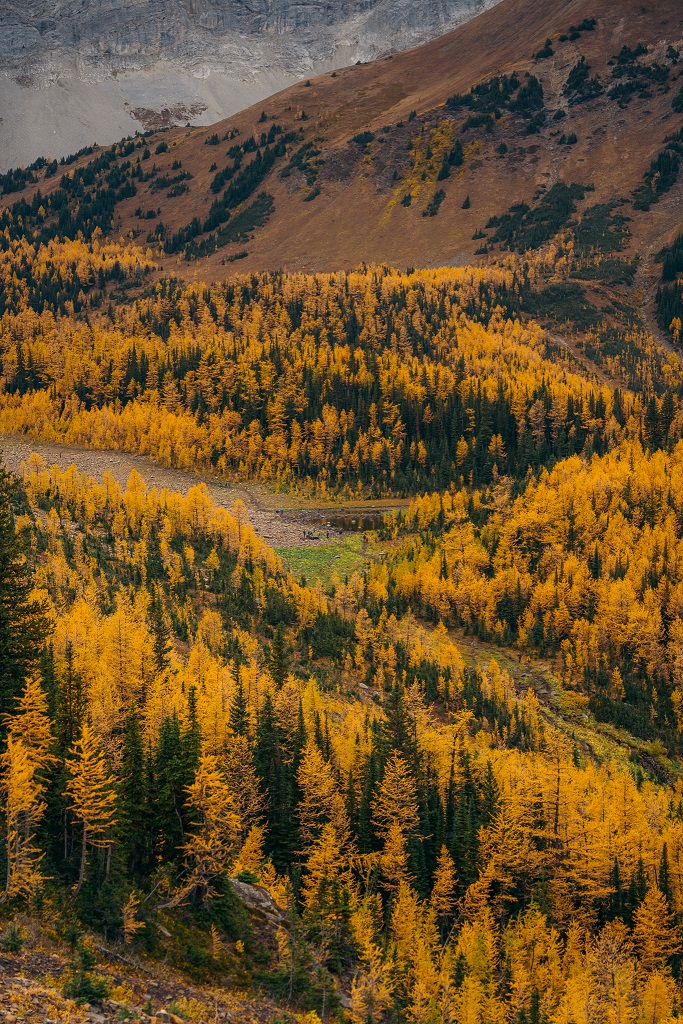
(282, 520)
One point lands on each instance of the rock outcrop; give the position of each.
(102, 37)
(266, 915)
(79, 71)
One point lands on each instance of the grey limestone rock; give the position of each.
(74, 72)
(100, 37)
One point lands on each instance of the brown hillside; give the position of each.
(358, 214)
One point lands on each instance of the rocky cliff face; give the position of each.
(77, 71)
(105, 36)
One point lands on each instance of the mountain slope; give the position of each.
(75, 73)
(336, 201)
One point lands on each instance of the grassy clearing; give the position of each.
(343, 556)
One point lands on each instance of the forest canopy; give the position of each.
(454, 770)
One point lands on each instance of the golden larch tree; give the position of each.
(321, 801)
(443, 890)
(327, 875)
(396, 801)
(31, 722)
(654, 931)
(210, 848)
(92, 795)
(22, 793)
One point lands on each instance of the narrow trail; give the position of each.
(560, 342)
(527, 673)
(280, 519)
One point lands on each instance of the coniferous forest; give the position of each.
(430, 772)
(452, 774)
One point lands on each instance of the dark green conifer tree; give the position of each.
(490, 796)
(175, 763)
(239, 708)
(161, 634)
(279, 662)
(664, 875)
(23, 620)
(276, 759)
(134, 803)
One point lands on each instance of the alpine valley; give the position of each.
(341, 532)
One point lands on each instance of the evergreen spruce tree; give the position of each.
(465, 841)
(279, 662)
(490, 796)
(171, 780)
(351, 803)
(664, 877)
(239, 708)
(161, 634)
(616, 899)
(367, 839)
(134, 802)
(318, 732)
(398, 730)
(276, 767)
(70, 702)
(636, 891)
(192, 736)
(450, 804)
(23, 621)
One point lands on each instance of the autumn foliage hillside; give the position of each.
(583, 565)
(350, 383)
(196, 714)
(452, 777)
